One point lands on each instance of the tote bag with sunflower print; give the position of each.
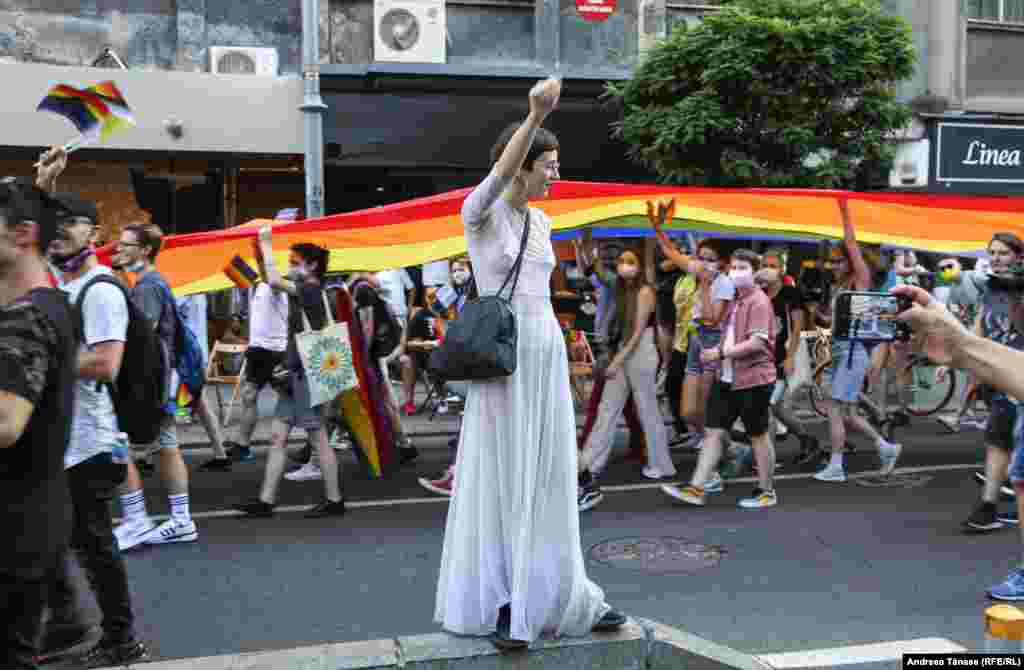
(327, 358)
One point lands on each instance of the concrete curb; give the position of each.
(640, 645)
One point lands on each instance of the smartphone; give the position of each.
(868, 316)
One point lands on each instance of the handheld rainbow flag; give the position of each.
(241, 273)
(96, 111)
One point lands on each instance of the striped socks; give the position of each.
(133, 505)
(179, 507)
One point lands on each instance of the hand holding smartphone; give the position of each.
(869, 316)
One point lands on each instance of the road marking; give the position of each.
(622, 488)
(866, 653)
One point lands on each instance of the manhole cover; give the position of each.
(899, 481)
(657, 555)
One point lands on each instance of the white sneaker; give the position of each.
(653, 473)
(131, 534)
(307, 473)
(831, 473)
(888, 454)
(173, 531)
(715, 484)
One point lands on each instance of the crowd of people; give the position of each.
(714, 333)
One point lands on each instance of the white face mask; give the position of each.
(137, 266)
(297, 273)
(460, 277)
(628, 271)
(742, 278)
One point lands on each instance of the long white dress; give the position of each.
(513, 527)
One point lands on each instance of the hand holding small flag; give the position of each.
(96, 111)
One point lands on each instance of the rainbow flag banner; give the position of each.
(428, 229)
(96, 111)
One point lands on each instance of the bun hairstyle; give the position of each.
(543, 141)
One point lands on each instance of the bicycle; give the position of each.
(931, 389)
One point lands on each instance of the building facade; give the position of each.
(968, 98)
(416, 92)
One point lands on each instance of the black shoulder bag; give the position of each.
(481, 343)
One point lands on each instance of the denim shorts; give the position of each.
(293, 408)
(846, 374)
(166, 439)
(704, 338)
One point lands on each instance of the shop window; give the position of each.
(690, 12)
(1002, 11)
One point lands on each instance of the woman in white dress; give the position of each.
(512, 565)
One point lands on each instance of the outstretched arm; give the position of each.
(274, 277)
(543, 99)
(861, 272)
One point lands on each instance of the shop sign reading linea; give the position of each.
(595, 11)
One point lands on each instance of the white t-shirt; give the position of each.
(394, 287)
(436, 273)
(104, 319)
(268, 318)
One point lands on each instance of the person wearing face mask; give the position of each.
(307, 265)
(850, 362)
(633, 368)
(1000, 318)
(742, 390)
(788, 305)
(465, 289)
(136, 253)
(92, 471)
(715, 293)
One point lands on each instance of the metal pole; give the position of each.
(313, 108)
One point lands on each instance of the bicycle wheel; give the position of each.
(931, 387)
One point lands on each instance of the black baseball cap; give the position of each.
(70, 205)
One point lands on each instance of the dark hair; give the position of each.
(1010, 240)
(149, 236)
(748, 256)
(709, 244)
(311, 253)
(543, 141)
(21, 200)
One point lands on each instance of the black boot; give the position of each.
(502, 637)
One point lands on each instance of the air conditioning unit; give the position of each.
(910, 167)
(409, 31)
(244, 60)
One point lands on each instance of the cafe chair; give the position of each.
(223, 369)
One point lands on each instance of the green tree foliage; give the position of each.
(770, 93)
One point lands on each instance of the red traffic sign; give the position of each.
(595, 11)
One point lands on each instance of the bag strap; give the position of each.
(518, 265)
(327, 311)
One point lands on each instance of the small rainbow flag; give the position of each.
(241, 273)
(98, 110)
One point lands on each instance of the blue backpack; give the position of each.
(189, 363)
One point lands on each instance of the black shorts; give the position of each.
(665, 311)
(999, 431)
(753, 405)
(260, 364)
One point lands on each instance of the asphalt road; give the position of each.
(833, 564)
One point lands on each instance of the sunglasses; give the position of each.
(947, 267)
